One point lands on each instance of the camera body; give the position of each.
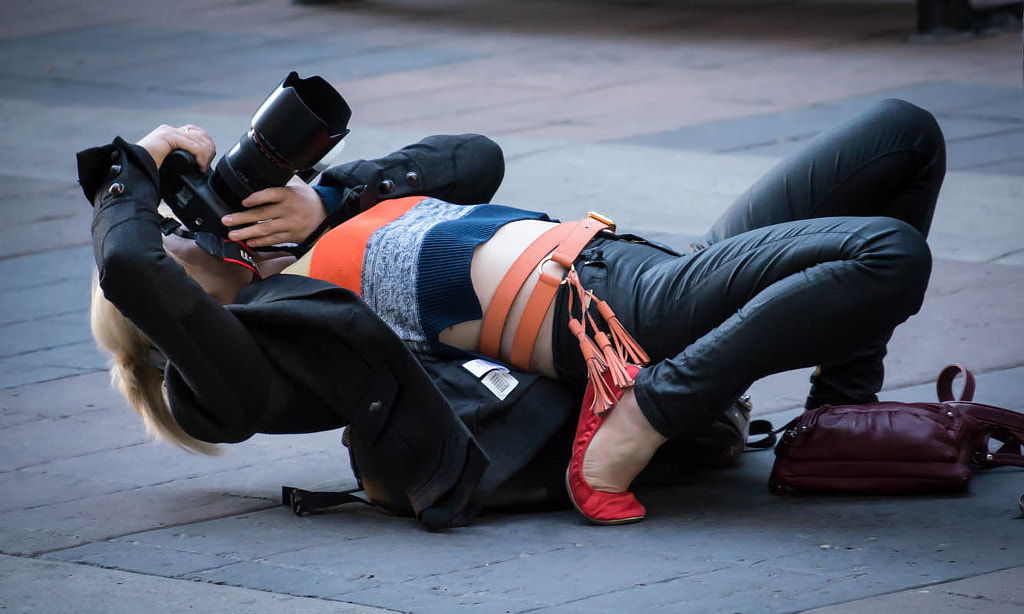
(298, 124)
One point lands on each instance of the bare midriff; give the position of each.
(491, 260)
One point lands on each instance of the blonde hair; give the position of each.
(131, 373)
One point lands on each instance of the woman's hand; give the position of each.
(287, 215)
(193, 139)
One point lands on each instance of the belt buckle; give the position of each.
(604, 219)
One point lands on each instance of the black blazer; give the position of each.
(299, 355)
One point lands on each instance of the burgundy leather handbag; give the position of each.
(897, 448)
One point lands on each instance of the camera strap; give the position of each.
(222, 249)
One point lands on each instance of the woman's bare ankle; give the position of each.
(621, 448)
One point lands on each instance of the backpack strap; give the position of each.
(759, 428)
(304, 502)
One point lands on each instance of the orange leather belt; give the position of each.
(566, 240)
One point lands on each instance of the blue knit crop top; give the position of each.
(416, 268)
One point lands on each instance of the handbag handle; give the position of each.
(1003, 425)
(944, 385)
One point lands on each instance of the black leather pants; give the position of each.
(814, 265)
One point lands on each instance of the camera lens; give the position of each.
(296, 126)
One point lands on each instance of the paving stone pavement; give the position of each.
(657, 113)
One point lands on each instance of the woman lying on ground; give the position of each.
(814, 265)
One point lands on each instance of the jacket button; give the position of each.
(386, 187)
(115, 189)
(375, 406)
(114, 171)
(115, 156)
(412, 177)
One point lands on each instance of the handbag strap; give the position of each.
(944, 385)
(1003, 425)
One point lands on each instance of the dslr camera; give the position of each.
(298, 124)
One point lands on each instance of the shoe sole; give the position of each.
(590, 519)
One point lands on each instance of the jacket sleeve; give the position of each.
(463, 169)
(232, 386)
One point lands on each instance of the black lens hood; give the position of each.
(300, 121)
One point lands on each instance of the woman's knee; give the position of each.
(919, 126)
(902, 254)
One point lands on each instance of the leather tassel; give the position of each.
(572, 279)
(615, 362)
(614, 359)
(607, 354)
(628, 348)
(587, 345)
(596, 366)
(603, 394)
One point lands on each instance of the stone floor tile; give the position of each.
(49, 267)
(734, 589)
(781, 134)
(947, 97)
(73, 523)
(438, 599)
(393, 554)
(560, 576)
(52, 299)
(950, 328)
(14, 374)
(72, 396)
(72, 441)
(36, 585)
(749, 134)
(44, 333)
(60, 93)
(37, 489)
(956, 128)
(1013, 258)
(128, 556)
(996, 592)
(1009, 108)
(147, 463)
(978, 153)
(1007, 167)
(287, 580)
(261, 534)
(84, 356)
(971, 208)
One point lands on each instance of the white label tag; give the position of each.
(479, 367)
(493, 376)
(500, 382)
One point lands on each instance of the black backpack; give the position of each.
(525, 423)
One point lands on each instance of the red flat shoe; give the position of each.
(598, 506)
